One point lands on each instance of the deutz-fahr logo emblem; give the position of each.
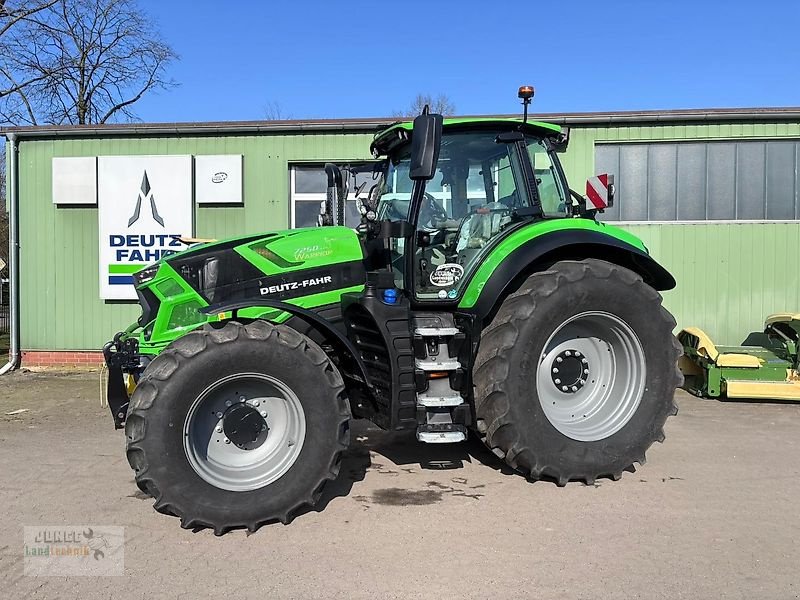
(145, 194)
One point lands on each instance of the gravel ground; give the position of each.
(712, 515)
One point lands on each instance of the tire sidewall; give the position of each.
(164, 440)
(632, 304)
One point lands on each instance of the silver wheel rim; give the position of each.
(591, 376)
(208, 432)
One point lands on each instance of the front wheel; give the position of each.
(238, 426)
(575, 376)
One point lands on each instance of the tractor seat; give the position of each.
(698, 340)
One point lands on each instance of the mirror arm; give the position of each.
(334, 187)
(529, 177)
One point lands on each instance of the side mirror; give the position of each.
(600, 191)
(425, 142)
(561, 141)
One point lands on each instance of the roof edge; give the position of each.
(371, 124)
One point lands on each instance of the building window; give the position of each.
(308, 187)
(703, 181)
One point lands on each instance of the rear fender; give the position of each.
(542, 251)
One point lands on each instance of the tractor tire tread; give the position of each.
(191, 345)
(492, 404)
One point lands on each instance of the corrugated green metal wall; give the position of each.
(729, 275)
(59, 245)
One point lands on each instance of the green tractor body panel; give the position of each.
(305, 267)
(477, 121)
(530, 233)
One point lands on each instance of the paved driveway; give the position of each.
(714, 514)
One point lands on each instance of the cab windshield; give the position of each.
(473, 172)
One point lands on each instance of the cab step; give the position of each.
(441, 433)
(438, 400)
(436, 331)
(432, 364)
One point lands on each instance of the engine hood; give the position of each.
(285, 250)
(281, 265)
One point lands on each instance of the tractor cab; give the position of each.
(491, 176)
(448, 194)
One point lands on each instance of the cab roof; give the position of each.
(396, 133)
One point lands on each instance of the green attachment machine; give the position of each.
(765, 367)
(479, 295)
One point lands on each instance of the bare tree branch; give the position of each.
(12, 13)
(274, 111)
(441, 104)
(81, 62)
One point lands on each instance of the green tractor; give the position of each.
(479, 294)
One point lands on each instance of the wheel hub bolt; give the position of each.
(256, 402)
(227, 441)
(219, 415)
(263, 413)
(219, 429)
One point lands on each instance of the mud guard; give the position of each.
(336, 337)
(568, 245)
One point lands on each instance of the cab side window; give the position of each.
(548, 183)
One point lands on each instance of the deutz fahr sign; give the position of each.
(145, 205)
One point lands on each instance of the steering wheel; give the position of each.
(431, 212)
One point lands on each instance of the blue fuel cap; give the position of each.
(390, 296)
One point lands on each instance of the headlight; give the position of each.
(145, 274)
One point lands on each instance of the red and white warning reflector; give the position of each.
(600, 191)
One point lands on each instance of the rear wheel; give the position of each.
(576, 374)
(236, 427)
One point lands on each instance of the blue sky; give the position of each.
(360, 59)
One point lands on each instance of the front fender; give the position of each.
(505, 267)
(340, 341)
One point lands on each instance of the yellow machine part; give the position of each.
(193, 240)
(130, 384)
(706, 347)
(775, 390)
(739, 360)
(783, 317)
